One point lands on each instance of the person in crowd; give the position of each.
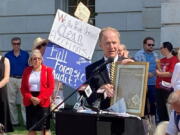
(161, 128)
(40, 44)
(147, 54)
(4, 106)
(173, 127)
(122, 51)
(18, 62)
(175, 81)
(37, 87)
(164, 73)
(109, 42)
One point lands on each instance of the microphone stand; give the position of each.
(44, 117)
(49, 113)
(99, 97)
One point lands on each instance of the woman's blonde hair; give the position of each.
(34, 52)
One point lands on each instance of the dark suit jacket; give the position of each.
(98, 79)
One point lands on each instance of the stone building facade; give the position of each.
(135, 19)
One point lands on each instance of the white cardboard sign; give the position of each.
(74, 34)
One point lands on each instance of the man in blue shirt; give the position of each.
(147, 54)
(18, 62)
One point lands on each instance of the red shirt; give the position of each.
(46, 86)
(167, 65)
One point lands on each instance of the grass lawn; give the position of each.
(21, 129)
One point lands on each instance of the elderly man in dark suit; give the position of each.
(109, 42)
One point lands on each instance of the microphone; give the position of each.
(100, 95)
(109, 60)
(84, 91)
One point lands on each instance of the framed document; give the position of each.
(130, 83)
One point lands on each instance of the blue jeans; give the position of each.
(150, 107)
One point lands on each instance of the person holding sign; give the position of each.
(37, 87)
(40, 44)
(99, 81)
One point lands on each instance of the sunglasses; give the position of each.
(16, 43)
(151, 44)
(36, 58)
(41, 45)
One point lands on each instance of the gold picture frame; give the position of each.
(130, 83)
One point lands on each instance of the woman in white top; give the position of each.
(37, 87)
(57, 97)
(175, 81)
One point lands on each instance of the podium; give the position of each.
(72, 123)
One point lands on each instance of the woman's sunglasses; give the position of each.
(41, 45)
(36, 58)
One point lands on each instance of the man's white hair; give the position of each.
(161, 128)
(108, 29)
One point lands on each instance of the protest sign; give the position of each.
(69, 67)
(74, 34)
(82, 12)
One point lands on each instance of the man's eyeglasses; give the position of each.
(161, 48)
(41, 45)
(151, 44)
(16, 43)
